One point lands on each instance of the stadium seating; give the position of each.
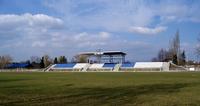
(18, 65)
(127, 65)
(80, 65)
(113, 66)
(96, 66)
(109, 66)
(64, 66)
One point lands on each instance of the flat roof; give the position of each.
(103, 53)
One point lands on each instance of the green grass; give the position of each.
(100, 89)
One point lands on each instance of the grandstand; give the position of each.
(137, 66)
(127, 66)
(96, 66)
(110, 61)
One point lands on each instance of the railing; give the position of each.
(49, 67)
(117, 67)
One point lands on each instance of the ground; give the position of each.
(100, 89)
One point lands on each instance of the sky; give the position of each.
(66, 27)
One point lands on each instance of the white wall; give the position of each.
(152, 65)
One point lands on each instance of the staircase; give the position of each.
(85, 68)
(181, 67)
(49, 67)
(117, 67)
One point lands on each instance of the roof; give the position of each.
(149, 64)
(17, 65)
(103, 53)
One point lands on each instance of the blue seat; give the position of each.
(68, 65)
(18, 65)
(127, 65)
(109, 65)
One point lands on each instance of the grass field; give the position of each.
(100, 89)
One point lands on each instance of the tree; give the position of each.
(173, 53)
(154, 59)
(174, 50)
(175, 59)
(183, 58)
(42, 63)
(62, 59)
(47, 60)
(162, 55)
(55, 60)
(81, 58)
(35, 59)
(198, 46)
(5, 60)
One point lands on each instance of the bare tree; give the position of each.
(62, 59)
(198, 47)
(154, 59)
(174, 50)
(47, 60)
(4, 60)
(81, 58)
(162, 55)
(35, 59)
(173, 53)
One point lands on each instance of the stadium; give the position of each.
(112, 61)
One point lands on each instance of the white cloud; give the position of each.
(119, 15)
(104, 14)
(38, 44)
(28, 28)
(85, 39)
(104, 35)
(147, 31)
(93, 24)
(9, 21)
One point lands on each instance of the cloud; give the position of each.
(147, 31)
(92, 24)
(85, 39)
(102, 14)
(9, 21)
(27, 27)
(120, 15)
(104, 35)
(29, 32)
(38, 44)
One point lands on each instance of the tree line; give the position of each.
(41, 62)
(46, 60)
(173, 53)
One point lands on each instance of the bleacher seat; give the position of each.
(18, 65)
(64, 66)
(109, 65)
(96, 66)
(127, 65)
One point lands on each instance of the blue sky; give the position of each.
(67, 27)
